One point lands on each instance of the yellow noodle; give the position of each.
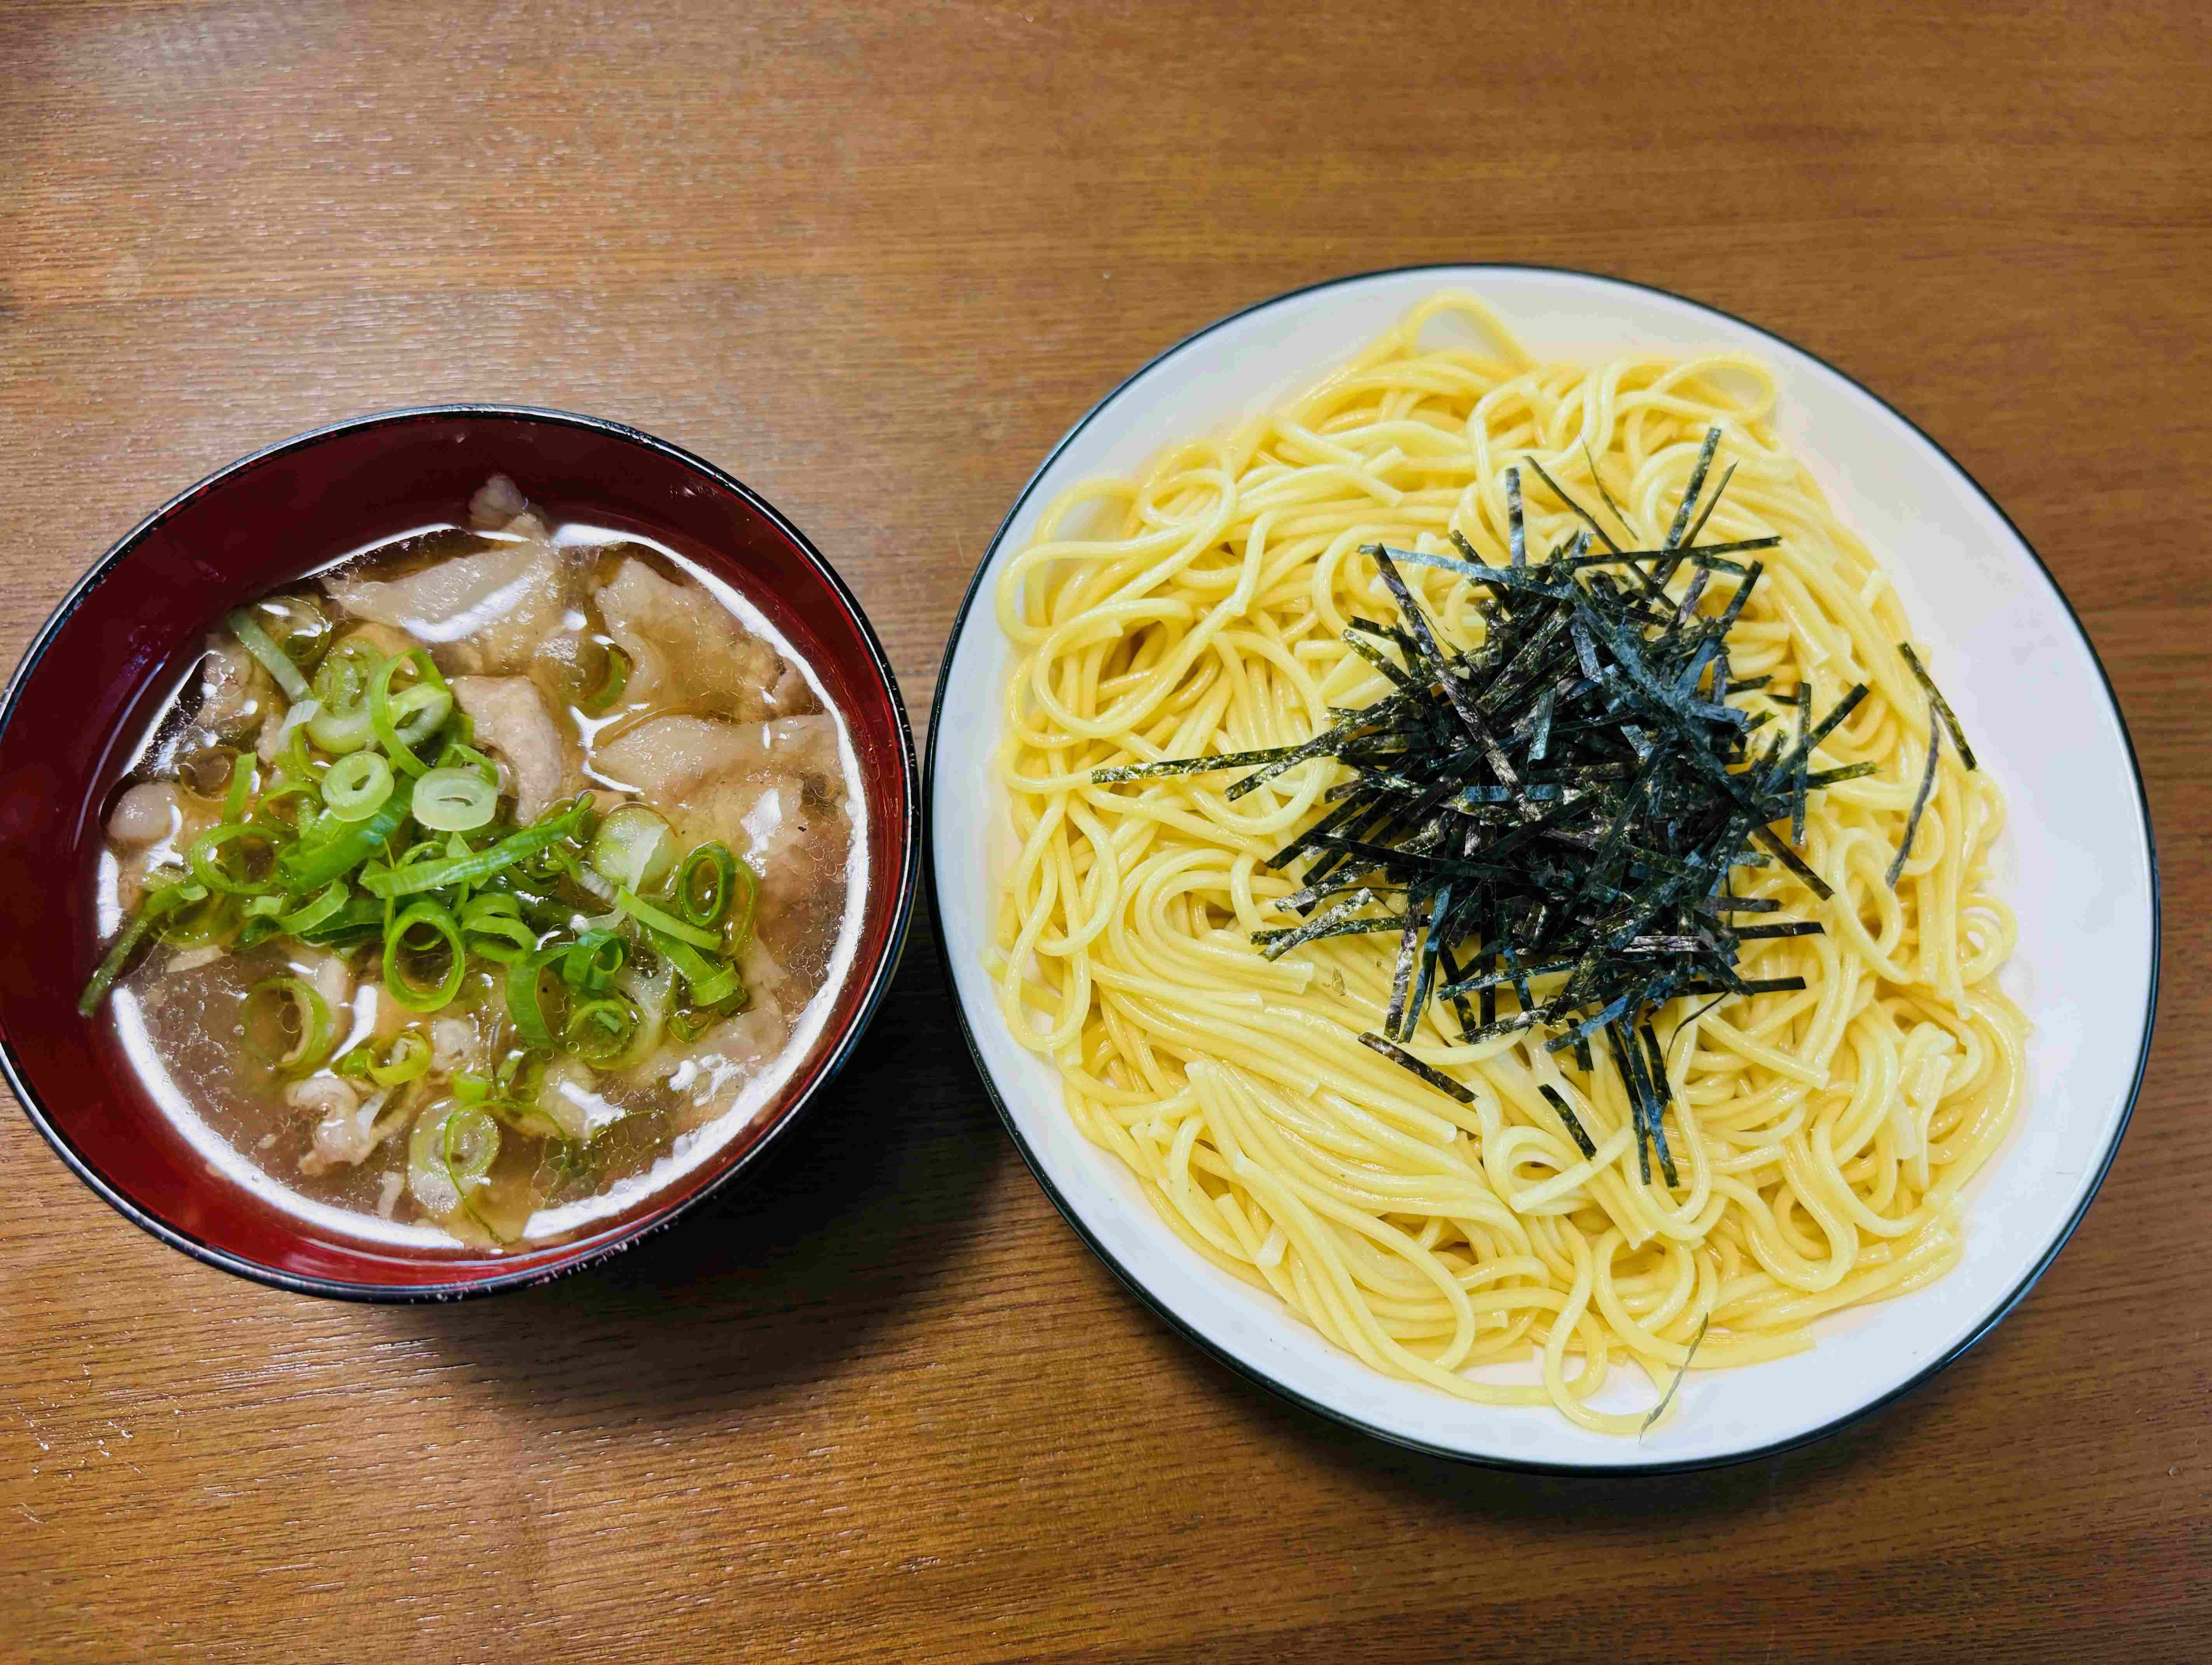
(1823, 1136)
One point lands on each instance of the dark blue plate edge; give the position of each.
(1253, 1373)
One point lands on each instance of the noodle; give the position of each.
(1824, 1134)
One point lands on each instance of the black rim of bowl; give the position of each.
(1251, 1372)
(880, 980)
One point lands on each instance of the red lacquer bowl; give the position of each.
(94, 675)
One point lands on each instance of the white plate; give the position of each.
(2075, 861)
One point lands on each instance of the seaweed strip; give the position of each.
(1517, 531)
(1797, 785)
(1681, 1370)
(1662, 1094)
(1582, 514)
(1557, 1100)
(1919, 805)
(1943, 705)
(1405, 1060)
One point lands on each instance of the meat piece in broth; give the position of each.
(235, 693)
(773, 792)
(680, 643)
(503, 601)
(513, 723)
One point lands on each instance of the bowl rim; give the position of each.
(878, 985)
(1222, 1354)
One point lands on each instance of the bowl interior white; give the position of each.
(2075, 862)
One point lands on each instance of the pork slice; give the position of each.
(513, 723)
(670, 758)
(501, 603)
(680, 639)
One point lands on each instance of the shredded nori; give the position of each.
(1566, 801)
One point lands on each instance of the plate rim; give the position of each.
(1252, 1372)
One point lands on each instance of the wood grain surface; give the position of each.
(875, 260)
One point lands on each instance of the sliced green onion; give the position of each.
(633, 848)
(297, 626)
(470, 1089)
(319, 909)
(207, 773)
(342, 683)
(357, 786)
(590, 962)
(271, 658)
(612, 685)
(744, 910)
(355, 731)
(468, 869)
(423, 707)
(525, 991)
(688, 1023)
(599, 1031)
(360, 916)
(241, 787)
(408, 1058)
(414, 994)
(284, 803)
(344, 724)
(305, 867)
(354, 1064)
(211, 871)
(710, 984)
(287, 1025)
(288, 740)
(469, 1144)
(144, 918)
(201, 918)
(704, 905)
(455, 800)
(663, 923)
(420, 712)
(494, 927)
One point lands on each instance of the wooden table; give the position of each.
(875, 260)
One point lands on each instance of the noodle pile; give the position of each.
(1823, 1135)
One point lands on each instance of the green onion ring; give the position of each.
(407, 1059)
(468, 1146)
(599, 1032)
(385, 709)
(451, 800)
(357, 784)
(210, 871)
(296, 997)
(590, 962)
(721, 867)
(612, 685)
(418, 996)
